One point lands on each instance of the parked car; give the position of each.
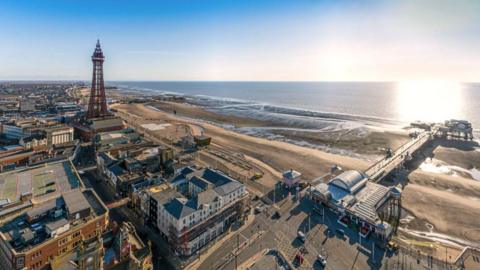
(301, 236)
(259, 209)
(322, 260)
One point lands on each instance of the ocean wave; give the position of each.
(288, 116)
(265, 111)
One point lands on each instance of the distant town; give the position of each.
(95, 178)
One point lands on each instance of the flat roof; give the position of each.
(56, 224)
(38, 180)
(75, 201)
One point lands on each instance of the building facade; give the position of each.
(190, 221)
(59, 135)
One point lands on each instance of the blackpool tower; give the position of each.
(97, 105)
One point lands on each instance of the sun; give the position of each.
(432, 101)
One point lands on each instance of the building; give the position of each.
(128, 251)
(27, 187)
(468, 259)
(190, 220)
(108, 141)
(27, 105)
(291, 178)
(16, 129)
(77, 215)
(60, 134)
(88, 129)
(48, 137)
(12, 156)
(34, 141)
(202, 140)
(119, 248)
(373, 207)
(124, 166)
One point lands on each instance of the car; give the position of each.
(299, 258)
(256, 176)
(301, 236)
(259, 209)
(276, 215)
(322, 260)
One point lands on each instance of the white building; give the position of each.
(59, 135)
(291, 178)
(214, 201)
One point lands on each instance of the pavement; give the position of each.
(343, 251)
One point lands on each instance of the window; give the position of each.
(62, 242)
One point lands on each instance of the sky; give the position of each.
(242, 40)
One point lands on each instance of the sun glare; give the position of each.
(428, 100)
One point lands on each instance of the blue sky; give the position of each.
(242, 40)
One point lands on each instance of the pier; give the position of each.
(450, 129)
(386, 165)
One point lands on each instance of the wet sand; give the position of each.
(358, 142)
(449, 202)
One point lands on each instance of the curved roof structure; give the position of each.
(348, 180)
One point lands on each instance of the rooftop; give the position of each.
(43, 181)
(349, 180)
(75, 201)
(56, 224)
(291, 174)
(352, 192)
(106, 123)
(54, 215)
(213, 184)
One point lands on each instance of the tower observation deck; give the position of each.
(97, 105)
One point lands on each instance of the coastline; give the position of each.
(451, 197)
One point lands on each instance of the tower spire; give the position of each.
(97, 105)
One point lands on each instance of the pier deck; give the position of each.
(387, 164)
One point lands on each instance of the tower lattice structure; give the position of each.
(97, 105)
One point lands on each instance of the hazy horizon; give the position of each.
(326, 41)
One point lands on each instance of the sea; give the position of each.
(373, 103)
(329, 108)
